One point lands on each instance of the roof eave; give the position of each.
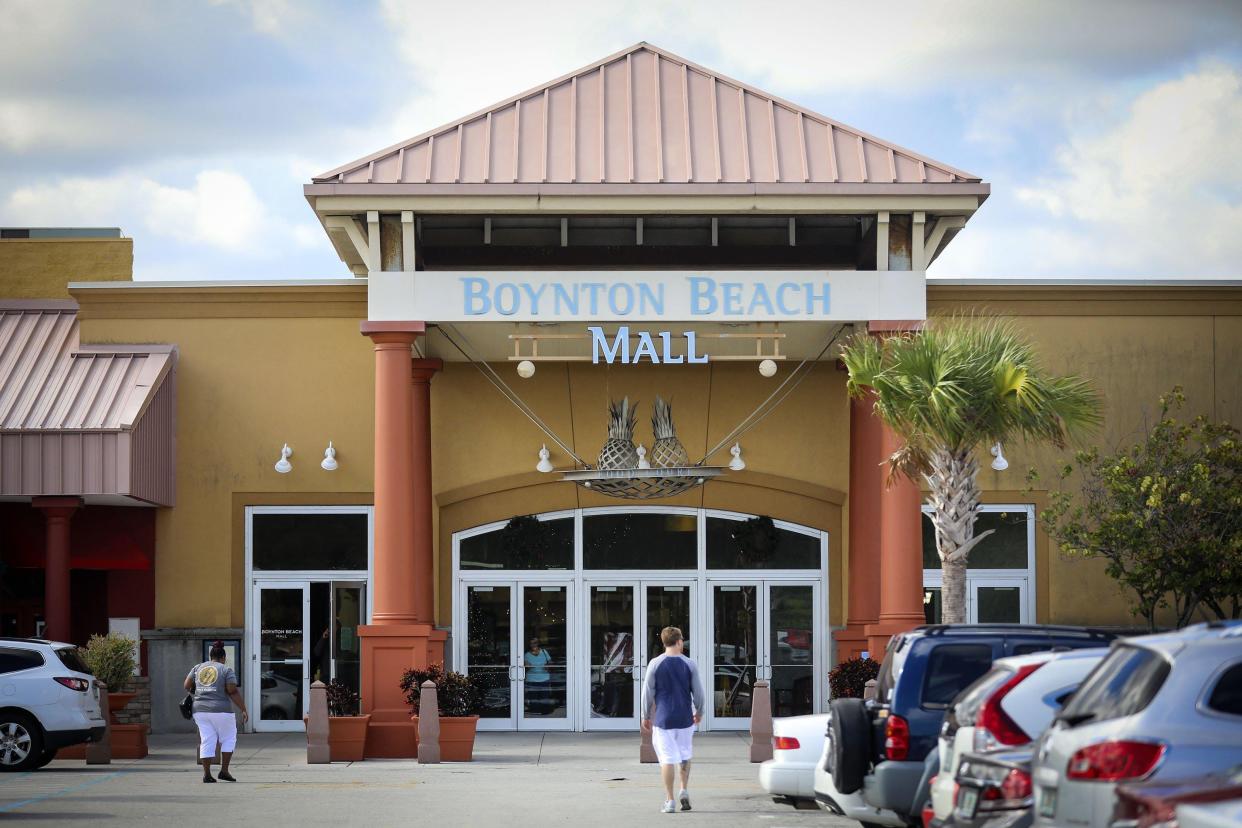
(976, 188)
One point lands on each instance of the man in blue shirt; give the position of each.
(673, 689)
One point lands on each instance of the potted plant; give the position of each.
(111, 660)
(347, 730)
(458, 698)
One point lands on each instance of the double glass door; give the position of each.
(518, 648)
(303, 631)
(623, 623)
(763, 630)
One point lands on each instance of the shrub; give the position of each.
(111, 659)
(456, 693)
(849, 679)
(342, 700)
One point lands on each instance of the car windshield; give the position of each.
(1124, 683)
(966, 705)
(69, 657)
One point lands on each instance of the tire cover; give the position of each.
(851, 744)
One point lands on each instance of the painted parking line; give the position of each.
(13, 806)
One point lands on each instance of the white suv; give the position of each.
(48, 700)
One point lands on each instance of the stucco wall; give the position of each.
(41, 268)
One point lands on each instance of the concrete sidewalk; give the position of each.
(517, 779)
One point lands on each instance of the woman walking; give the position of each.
(214, 684)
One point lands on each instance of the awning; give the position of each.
(94, 421)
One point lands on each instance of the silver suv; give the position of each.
(48, 700)
(1165, 706)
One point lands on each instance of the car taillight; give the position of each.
(784, 743)
(1010, 792)
(994, 727)
(896, 738)
(74, 683)
(1110, 761)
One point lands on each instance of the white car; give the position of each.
(1011, 704)
(50, 701)
(847, 805)
(797, 742)
(1214, 815)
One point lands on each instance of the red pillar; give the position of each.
(866, 481)
(901, 554)
(401, 633)
(57, 512)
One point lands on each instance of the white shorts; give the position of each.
(672, 745)
(213, 728)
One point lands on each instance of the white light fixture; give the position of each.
(329, 458)
(526, 369)
(643, 462)
(767, 368)
(283, 465)
(1000, 463)
(737, 463)
(544, 465)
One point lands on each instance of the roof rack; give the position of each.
(1047, 630)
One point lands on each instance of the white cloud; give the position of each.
(1156, 190)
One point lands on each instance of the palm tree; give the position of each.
(959, 384)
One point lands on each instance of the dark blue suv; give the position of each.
(885, 746)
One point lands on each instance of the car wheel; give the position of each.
(21, 742)
(851, 744)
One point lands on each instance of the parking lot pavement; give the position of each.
(517, 779)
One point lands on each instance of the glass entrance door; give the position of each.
(762, 630)
(997, 600)
(279, 643)
(544, 657)
(490, 652)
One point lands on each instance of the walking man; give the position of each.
(674, 690)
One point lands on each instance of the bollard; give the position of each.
(870, 689)
(646, 751)
(318, 752)
(760, 722)
(428, 725)
(100, 753)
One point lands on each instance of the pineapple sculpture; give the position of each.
(667, 450)
(619, 451)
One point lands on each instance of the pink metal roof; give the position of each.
(646, 116)
(81, 419)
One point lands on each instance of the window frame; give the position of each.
(1209, 688)
(934, 578)
(23, 651)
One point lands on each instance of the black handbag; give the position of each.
(187, 706)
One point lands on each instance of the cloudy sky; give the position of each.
(1111, 132)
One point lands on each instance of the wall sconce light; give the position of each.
(329, 458)
(526, 369)
(283, 465)
(767, 368)
(1000, 463)
(737, 463)
(544, 465)
(643, 462)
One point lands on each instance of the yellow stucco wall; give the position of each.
(260, 367)
(41, 268)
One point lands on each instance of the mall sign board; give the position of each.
(647, 295)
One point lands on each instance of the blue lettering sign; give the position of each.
(533, 295)
(646, 347)
(780, 298)
(477, 301)
(691, 356)
(702, 296)
(812, 297)
(565, 304)
(620, 345)
(616, 306)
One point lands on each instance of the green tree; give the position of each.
(1165, 515)
(959, 384)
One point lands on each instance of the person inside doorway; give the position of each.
(538, 679)
(672, 705)
(214, 685)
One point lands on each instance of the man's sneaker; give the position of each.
(669, 808)
(685, 800)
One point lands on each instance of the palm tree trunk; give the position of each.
(954, 499)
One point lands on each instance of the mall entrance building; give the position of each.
(580, 381)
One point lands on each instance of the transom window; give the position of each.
(1000, 576)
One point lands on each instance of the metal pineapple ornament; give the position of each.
(668, 450)
(619, 451)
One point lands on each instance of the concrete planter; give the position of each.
(117, 703)
(456, 737)
(347, 737)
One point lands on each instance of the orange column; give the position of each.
(401, 634)
(866, 480)
(421, 373)
(57, 512)
(901, 555)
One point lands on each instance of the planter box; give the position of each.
(347, 737)
(129, 741)
(116, 703)
(456, 737)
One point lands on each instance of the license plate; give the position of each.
(967, 799)
(1047, 802)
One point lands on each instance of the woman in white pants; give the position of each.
(214, 685)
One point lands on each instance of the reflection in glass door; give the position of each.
(612, 610)
(489, 652)
(544, 665)
(997, 601)
(735, 649)
(281, 646)
(791, 648)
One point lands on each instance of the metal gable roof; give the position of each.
(646, 116)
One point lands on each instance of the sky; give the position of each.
(1111, 132)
